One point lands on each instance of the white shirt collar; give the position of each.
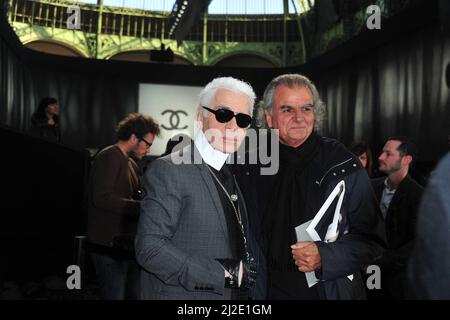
(211, 156)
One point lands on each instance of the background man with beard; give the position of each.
(399, 197)
(114, 203)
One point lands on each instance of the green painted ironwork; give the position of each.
(107, 31)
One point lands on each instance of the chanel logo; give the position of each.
(174, 119)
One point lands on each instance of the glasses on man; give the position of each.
(223, 115)
(148, 144)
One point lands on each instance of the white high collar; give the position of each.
(211, 156)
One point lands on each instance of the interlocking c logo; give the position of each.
(174, 119)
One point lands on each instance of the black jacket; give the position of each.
(400, 222)
(430, 259)
(362, 238)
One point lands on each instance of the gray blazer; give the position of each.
(181, 231)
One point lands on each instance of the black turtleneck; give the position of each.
(286, 210)
(234, 229)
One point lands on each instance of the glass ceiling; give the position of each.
(216, 6)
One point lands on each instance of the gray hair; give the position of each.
(227, 83)
(295, 80)
(260, 116)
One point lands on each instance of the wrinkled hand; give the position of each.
(306, 256)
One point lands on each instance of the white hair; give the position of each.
(227, 83)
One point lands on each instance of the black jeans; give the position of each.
(119, 279)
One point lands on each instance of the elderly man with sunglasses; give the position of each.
(310, 167)
(193, 240)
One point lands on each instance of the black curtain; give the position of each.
(93, 95)
(381, 83)
(15, 78)
(90, 105)
(398, 89)
(91, 101)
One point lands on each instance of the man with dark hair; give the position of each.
(114, 204)
(399, 197)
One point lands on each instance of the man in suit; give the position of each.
(399, 197)
(193, 240)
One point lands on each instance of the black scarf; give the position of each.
(286, 208)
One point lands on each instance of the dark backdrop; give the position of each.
(383, 82)
(378, 84)
(398, 88)
(93, 95)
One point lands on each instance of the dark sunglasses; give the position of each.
(224, 115)
(149, 144)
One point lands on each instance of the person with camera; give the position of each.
(114, 200)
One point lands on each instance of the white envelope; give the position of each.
(307, 231)
(302, 235)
